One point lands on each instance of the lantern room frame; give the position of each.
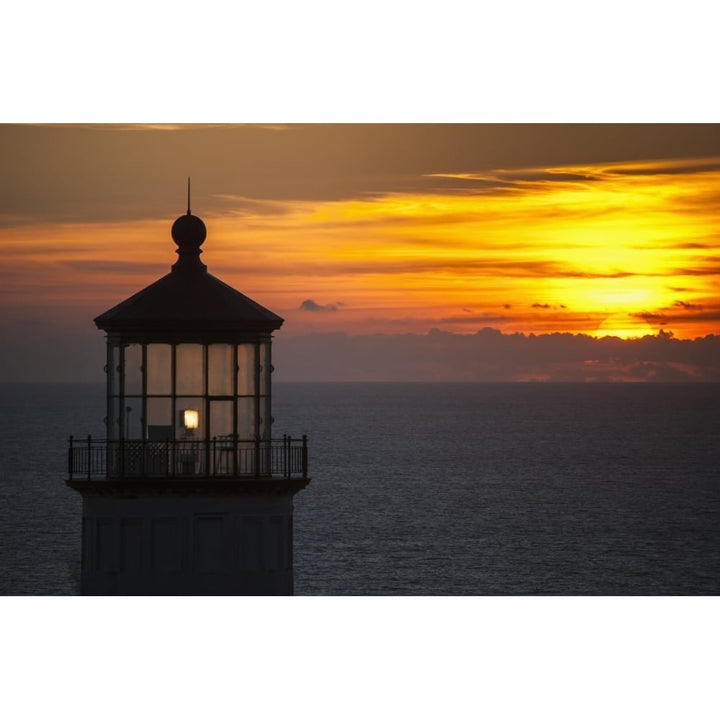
(160, 391)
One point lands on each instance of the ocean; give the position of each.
(432, 488)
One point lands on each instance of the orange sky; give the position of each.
(396, 244)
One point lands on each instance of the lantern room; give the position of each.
(189, 377)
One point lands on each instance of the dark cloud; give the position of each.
(711, 266)
(681, 312)
(472, 320)
(693, 316)
(62, 172)
(547, 306)
(611, 274)
(312, 306)
(491, 356)
(649, 317)
(693, 246)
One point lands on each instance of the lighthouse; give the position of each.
(189, 493)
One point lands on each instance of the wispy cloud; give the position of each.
(160, 127)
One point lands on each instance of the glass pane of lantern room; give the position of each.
(221, 419)
(220, 369)
(246, 419)
(190, 369)
(159, 419)
(246, 370)
(133, 369)
(159, 370)
(132, 420)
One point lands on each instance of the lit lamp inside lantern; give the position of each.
(191, 419)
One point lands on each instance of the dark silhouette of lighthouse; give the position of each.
(189, 493)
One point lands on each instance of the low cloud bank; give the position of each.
(491, 356)
(78, 355)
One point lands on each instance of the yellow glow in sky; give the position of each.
(623, 248)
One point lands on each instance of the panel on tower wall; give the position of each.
(166, 545)
(213, 550)
(87, 542)
(252, 544)
(274, 547)
(131, 545)
(105, 545)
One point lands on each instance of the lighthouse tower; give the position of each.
(189, 493)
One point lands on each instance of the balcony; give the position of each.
(226, 458)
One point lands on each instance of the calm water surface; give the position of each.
(432, 488)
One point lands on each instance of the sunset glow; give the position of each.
(616, 250)
(530, 255)
(606, 248)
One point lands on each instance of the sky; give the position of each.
(399, 229)
(85, 216)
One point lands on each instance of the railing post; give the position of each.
(234, 455)
(286, 456)
(70, 458)
(304, 457)
(89, 457)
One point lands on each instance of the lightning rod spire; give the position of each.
(188, 212)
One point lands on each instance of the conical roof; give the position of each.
(189, 304)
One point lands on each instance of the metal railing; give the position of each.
(95, 458)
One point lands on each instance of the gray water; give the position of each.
(429, 489)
